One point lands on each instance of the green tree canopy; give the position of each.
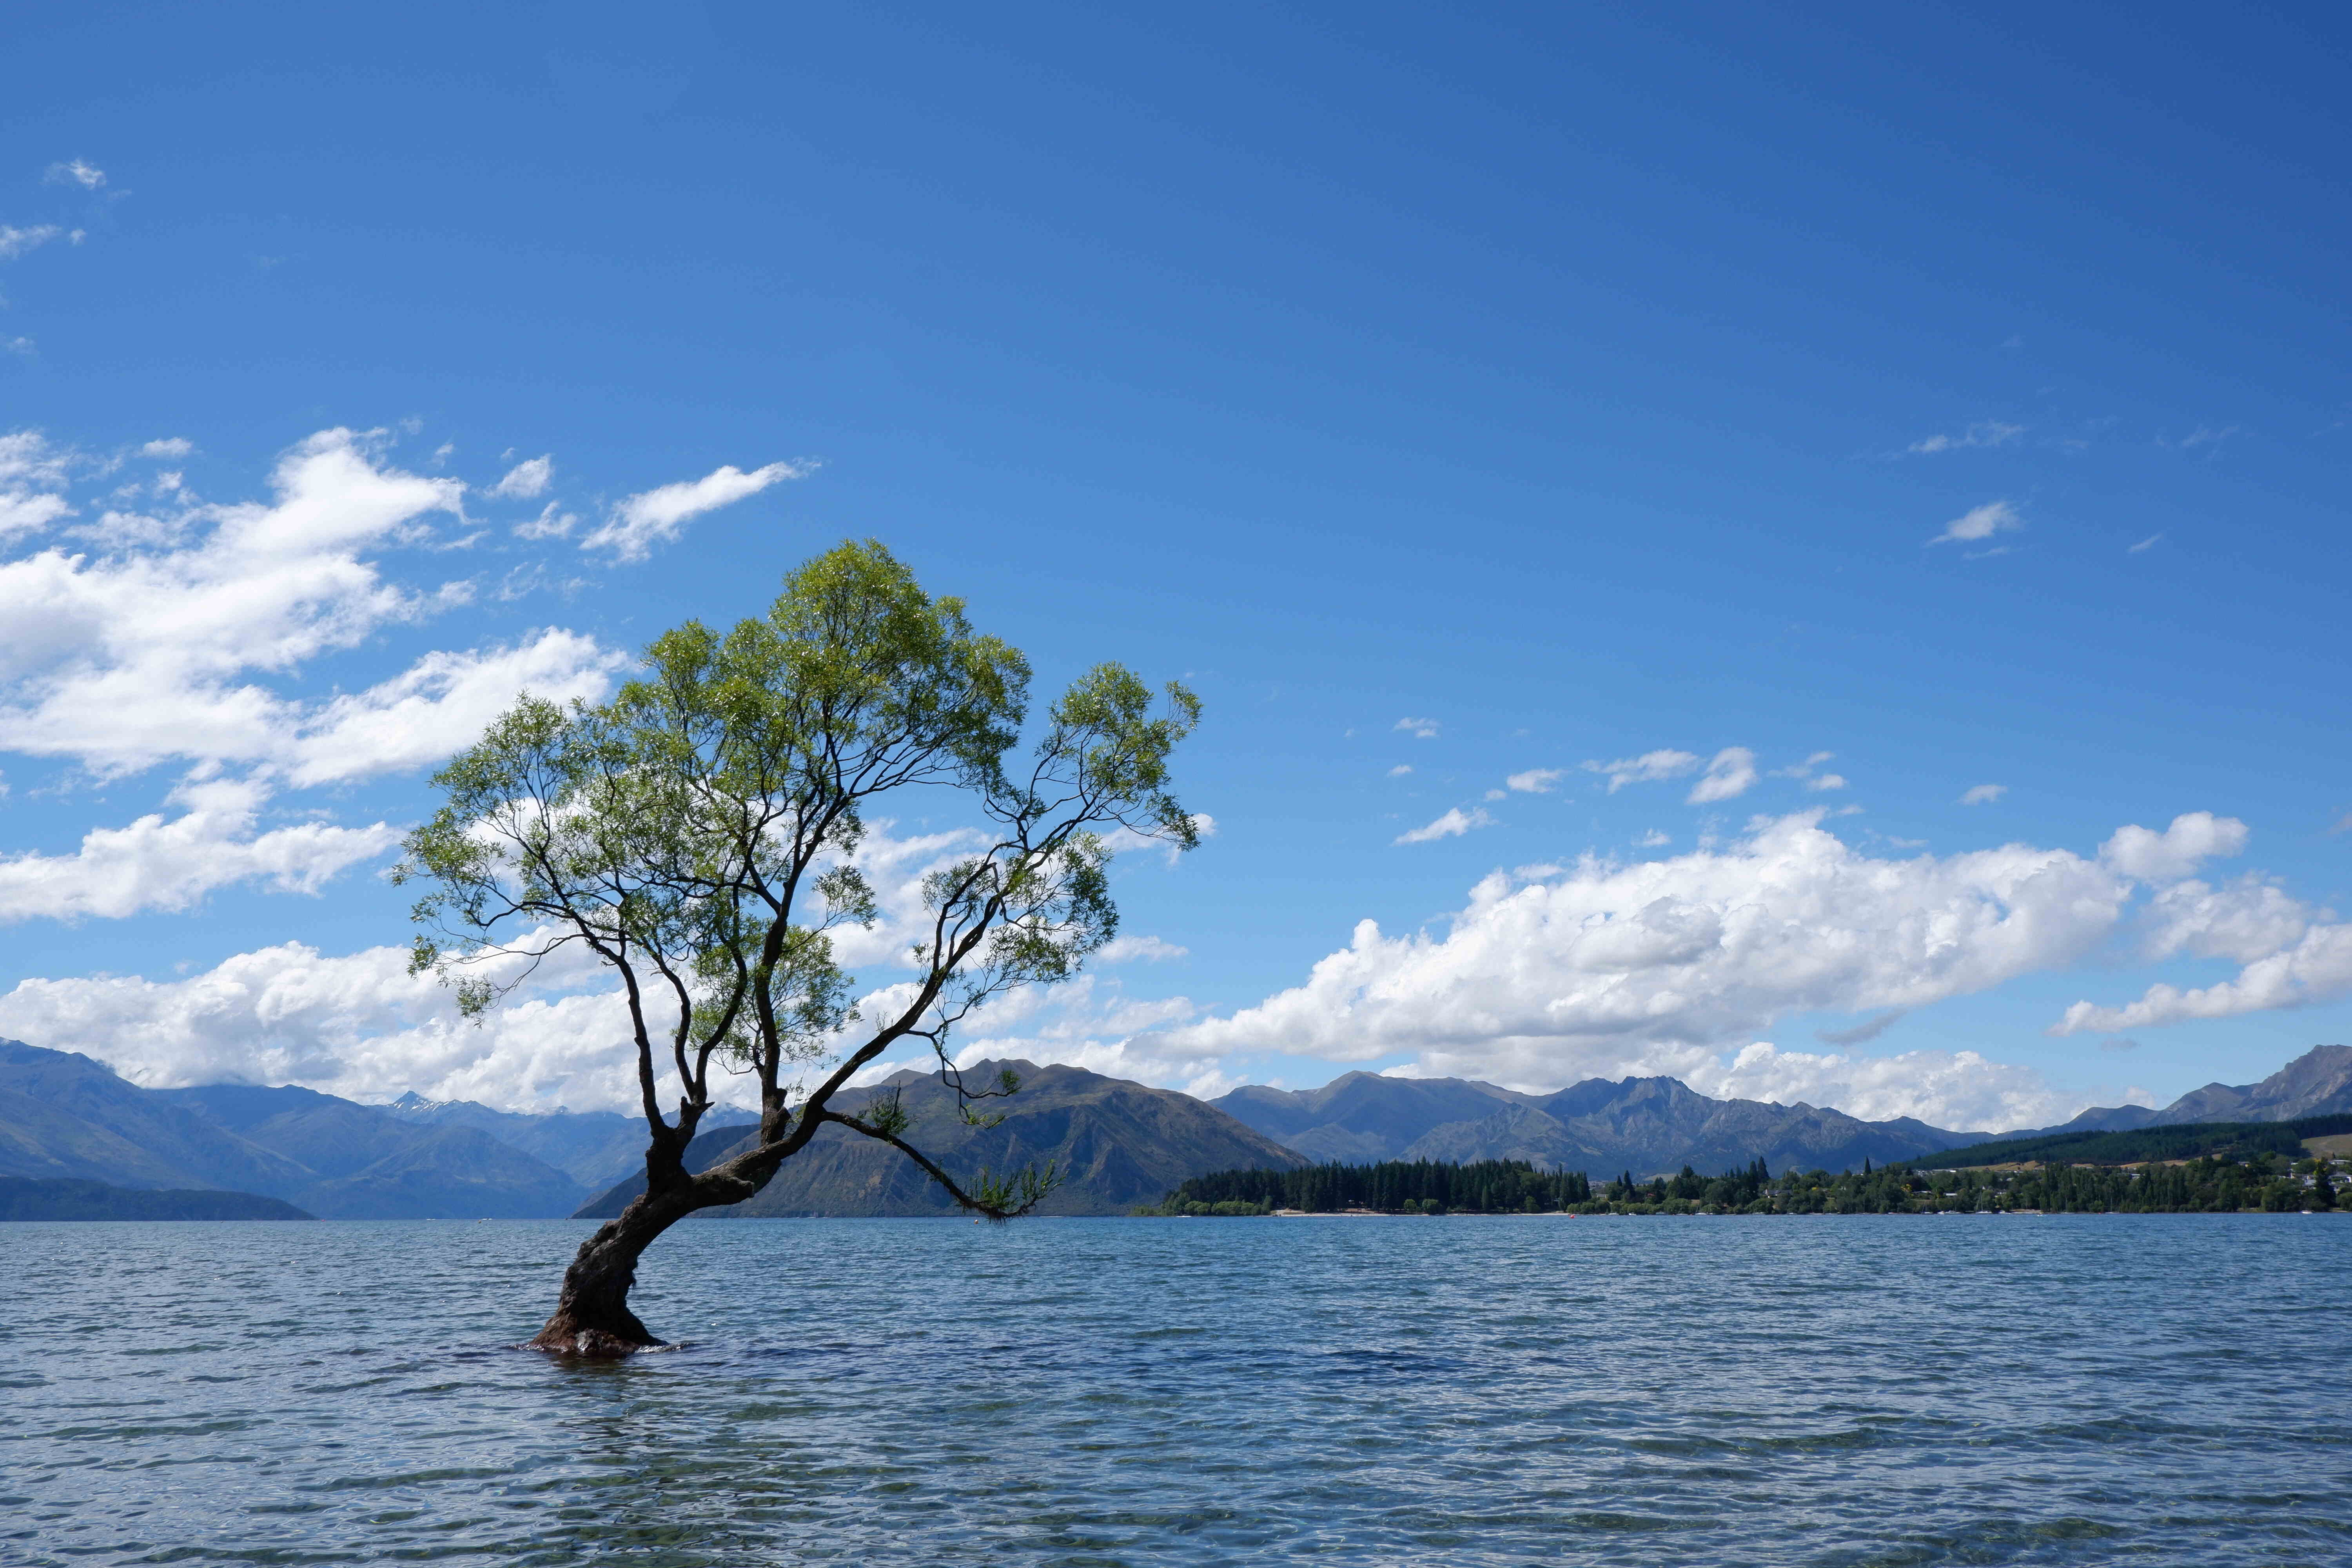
(699, 833)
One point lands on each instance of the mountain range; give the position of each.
(65, 1117)
(1653, 1125)
(1117, 1145)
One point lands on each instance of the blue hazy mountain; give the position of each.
(1117, 1144)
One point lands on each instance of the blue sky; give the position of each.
(1477, 391)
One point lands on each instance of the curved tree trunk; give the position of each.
(591, 1317)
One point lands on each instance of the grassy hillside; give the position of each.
(2186, 1141)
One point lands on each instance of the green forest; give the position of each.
(2186, 1141)
(2263, 1181)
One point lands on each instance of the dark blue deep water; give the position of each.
(2059, 1390)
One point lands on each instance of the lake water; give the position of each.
(2161, 1389)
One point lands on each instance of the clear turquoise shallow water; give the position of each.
(2161, 1389)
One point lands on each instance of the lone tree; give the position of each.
(698, 835)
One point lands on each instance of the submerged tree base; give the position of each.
(567, 1335)
(590, 1344)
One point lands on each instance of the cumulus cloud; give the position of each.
(142, 656)
(527, 480)
(412, 719)
(1647, 768)
(1979, 523)
(1727, 776)
(1399, 771)
(76, 171)
(1536, 781)
(32, 474)
(657, 516)
(1453, 824)
(2193, 837)
(168, 446)
(2317, 968)
(358, 1025)
(1610, 968)
(1961, 1089)
(1419, 728)
(171, 865)
(1982, 794)
(1652, 840)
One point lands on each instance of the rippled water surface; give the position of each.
(2160, 1389)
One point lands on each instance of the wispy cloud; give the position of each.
(656, 516)
(1536, 781)
(1727, 776)
(1984, 433)
(1647, 768)
(1979, 523)
(2206, 436)
(1453, 824)
(2148, 544)
(1653, 839)
(168, 446)
(1803, 773)
(1868, 1029)
(527, 480)
(1419, 728)
(1982, 794)
(15, 242)
(76, 171)
(1399, 771)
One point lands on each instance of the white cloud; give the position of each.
(1982, 794)
(1826, 782)
(527, 480)
(32, 472)
(140, 656)
(1453, 824)
(168, 446)
(1420, 729)
(1653, 839)
(358, 1026)
(553, 522)
(1647, 768)
(1962, 1090)
(1978, 523)
(1727, 776)
(23, 348)
(1652, 967)
(2317, 968)
(442, 701)
(1399, 771)
(1536, 781)
(1139, 950)
(656, 516)
(155, 863)
(1984, 433)
(76, 171)
(2149, 543)
(2174, 853)
(2245, 920)
(15, 242)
